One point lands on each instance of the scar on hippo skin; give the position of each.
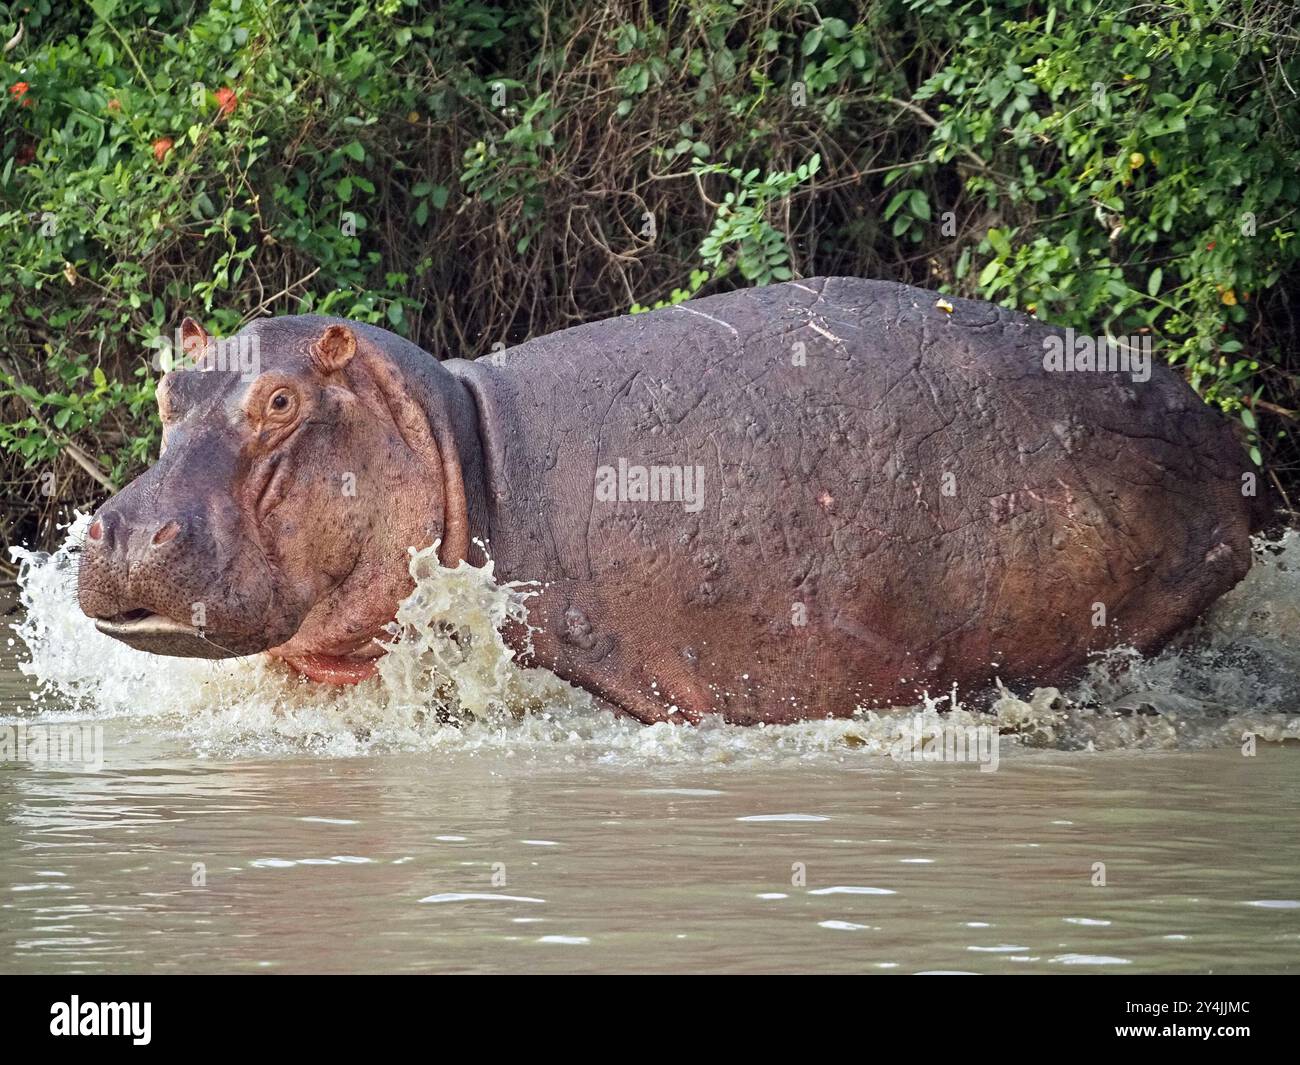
(576, 630)
(1003, 507)
(1071, 433)
(1219, 553)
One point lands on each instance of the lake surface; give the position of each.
(1145, 820)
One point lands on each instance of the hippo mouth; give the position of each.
(339, 670)
(146, 631)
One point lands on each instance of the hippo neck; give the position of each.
(453, 421)
(496, 471)
(465, 433)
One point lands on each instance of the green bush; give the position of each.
(470, 174)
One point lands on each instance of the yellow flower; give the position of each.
(943, 305)
(1229, 298)
(1136, 160)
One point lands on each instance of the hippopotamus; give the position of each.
(775, 504)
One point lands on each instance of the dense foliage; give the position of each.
(471, 174)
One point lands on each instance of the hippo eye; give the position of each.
(280, 401)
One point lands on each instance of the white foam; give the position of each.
(451, 685)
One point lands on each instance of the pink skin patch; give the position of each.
(333, 669)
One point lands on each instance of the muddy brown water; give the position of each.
(228, 831)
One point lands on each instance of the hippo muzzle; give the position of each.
(170, 566)
(169, 586)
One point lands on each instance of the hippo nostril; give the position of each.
(166, 533)
(96, 531)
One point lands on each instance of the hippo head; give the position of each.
(300, 460)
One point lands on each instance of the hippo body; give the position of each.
(769, 505)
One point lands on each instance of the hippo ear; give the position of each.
(334, 349)
(194, 340)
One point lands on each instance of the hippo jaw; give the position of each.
(159, 635)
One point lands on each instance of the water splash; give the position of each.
(451, 684)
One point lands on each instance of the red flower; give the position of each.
(228, 100)
(161, 147)
(25, 154)
(115, 105)
(18, 89)
(1210, 246)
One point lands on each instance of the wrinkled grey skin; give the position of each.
(833, 561)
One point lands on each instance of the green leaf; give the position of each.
(896, 201)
